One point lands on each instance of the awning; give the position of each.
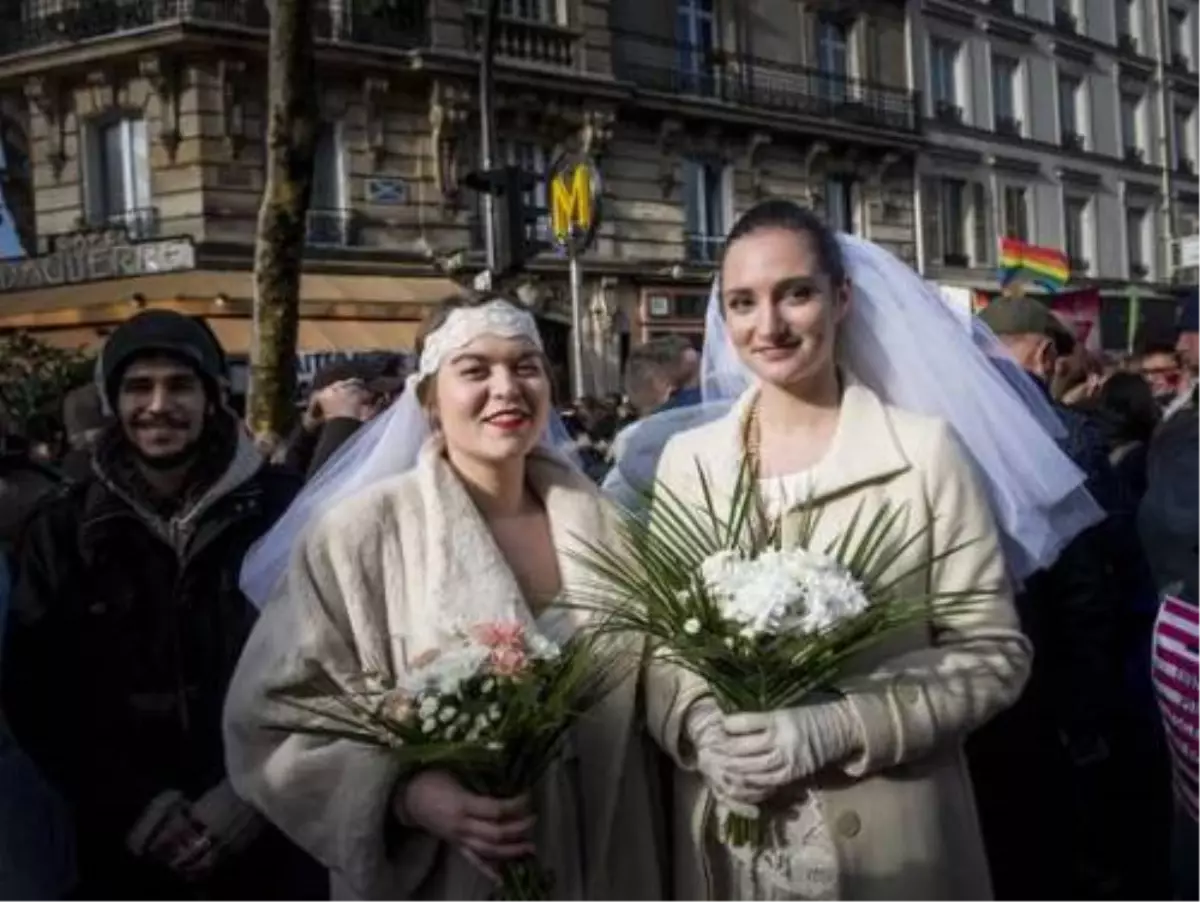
(315, 336)
(205, 293)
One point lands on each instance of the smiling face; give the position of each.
(162, 407)
(781, 309)
(492, 399)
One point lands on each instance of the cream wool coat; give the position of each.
(902, 814)
(367, 591)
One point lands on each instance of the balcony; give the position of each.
(1135, 155)
(526, 40)
(140, 224)
(46, 23)
(948, 113)
(1072, 140)
(1065, 22)
(657, 65)
(703, 248)
(1009, 126)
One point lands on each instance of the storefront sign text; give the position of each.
(94, 262)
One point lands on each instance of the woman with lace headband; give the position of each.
(454, 505)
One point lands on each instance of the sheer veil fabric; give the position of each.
(903, 342)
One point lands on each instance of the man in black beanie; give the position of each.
(128, 621)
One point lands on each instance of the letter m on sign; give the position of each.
(570, 203)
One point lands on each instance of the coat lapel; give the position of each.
(472, 582)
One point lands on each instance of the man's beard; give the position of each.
(164, 462)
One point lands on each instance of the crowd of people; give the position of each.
(1043, 748)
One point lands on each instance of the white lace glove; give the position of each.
(704, 741)
(766, 752)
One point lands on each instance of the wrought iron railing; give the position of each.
(668, 67)
(42, 23)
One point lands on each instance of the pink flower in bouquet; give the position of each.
(506, 643)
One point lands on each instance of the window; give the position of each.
(1016, 212)
(1128, 18)
(1075, 232)
(694, 35)
(1177, 34)
(1004, 80)
(957, 222)
(1135, 239)
(1131, 106)
(943, 73)
(704, 205)
(833, 57)
(328, 218)
(1183, 138)
(533, 10)
(1068, 106)
(840, 204)
(118, 177)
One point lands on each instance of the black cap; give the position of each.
(159, 332)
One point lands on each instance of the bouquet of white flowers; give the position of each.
(491, 706)
(763, 625)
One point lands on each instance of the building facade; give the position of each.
(134, 138)
(1069, 124)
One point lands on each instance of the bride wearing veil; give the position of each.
(451, 506)
(843, 381)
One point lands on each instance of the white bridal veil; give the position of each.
(902, 341)
(388, 446)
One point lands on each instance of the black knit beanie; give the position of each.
(160, 332)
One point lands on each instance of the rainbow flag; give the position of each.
(1041, 265)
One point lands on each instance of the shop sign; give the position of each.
(89, 260)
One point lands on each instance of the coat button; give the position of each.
(849, 824)
(909, 693)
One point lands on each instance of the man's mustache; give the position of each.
(160, 421)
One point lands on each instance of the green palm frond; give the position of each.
(647, 582)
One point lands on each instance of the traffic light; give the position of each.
(516, 220)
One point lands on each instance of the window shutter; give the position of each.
(981, 209)
(931, 216)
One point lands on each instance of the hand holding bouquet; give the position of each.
(765, 626)
(487, 712)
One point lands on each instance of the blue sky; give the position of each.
(9, 246)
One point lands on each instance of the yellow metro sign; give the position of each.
(574, 194)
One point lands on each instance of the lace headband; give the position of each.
(465, 324)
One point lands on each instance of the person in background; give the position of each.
(1128, 414)
(84, 422)
(1061, 728)
(662, 379)
(127, 622)
(1170, 534)
(1158, 363)
(343, 397)
(1187, 346)
(35, 831)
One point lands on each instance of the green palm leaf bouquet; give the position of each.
(716, 592)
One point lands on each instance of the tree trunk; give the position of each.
(279, 248)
